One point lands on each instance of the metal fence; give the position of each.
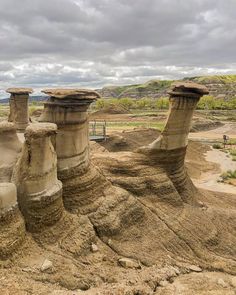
(97, 130)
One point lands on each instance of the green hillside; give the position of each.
(222, 86)
(223, 79)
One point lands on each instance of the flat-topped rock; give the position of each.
(40, 130)
(19, 90)
(72, 93)
(188, 89)
(6, 127)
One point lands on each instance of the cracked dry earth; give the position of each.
(131, 209)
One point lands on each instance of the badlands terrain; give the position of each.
(131, 221)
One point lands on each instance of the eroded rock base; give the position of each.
(12, 226)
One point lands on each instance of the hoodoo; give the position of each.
(184, 97)
(68, 109)
(39, 190)
(169, 149)
(19, 113)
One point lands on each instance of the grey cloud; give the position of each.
(92, 43)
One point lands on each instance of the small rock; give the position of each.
(163, 283)
(176, 270)
(222, 283)
(94, 248)
(109, 242)
(28, 269)
(129, 263)
(233, 282)
(47, 266)
(195, 268)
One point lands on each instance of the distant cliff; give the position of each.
(219, 86)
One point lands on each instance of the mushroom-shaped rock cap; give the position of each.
(19, 90)
(7, 126)
(40, 130)
(72, 93)
(188, 89)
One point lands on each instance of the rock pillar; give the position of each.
(12, 227)
(39, 190)
(169, 149)
(10, 148)
(68, 109)
(19, 111)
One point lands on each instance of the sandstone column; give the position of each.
(39, 190)
(12, 227)
(19, 113)
(169, 149)
(68, 109)
(10, 148)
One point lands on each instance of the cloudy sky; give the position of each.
(92, 43)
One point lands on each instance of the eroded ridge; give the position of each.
(169, 149)
(39, 190)
(19, 111)
(68, 109)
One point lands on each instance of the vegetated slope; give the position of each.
(219, 86)
(153, 88)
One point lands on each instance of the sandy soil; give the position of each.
(209, 180)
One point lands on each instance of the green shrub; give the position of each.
(162, 103)
(208, 102)
(100, 104)
(232, 152)
(232, 141)
(144, 103)
(127, 103)
(217, 146)
(228, 174)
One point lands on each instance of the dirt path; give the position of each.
(209, 180)
(228, 129)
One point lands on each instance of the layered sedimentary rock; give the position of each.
(169, 150)
(151, 211)
(10, 148)
(12, 227)
(134, 211)
(68, 109)
(39, 190)
(19, 113)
